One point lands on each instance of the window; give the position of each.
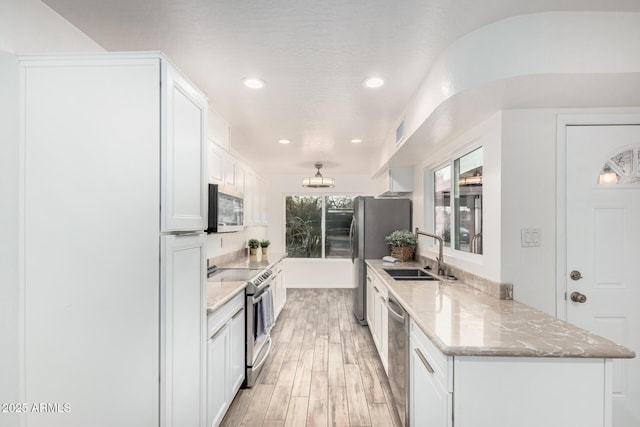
(623, 168)
(442, 203)
(318, 226)
(468, 202)
(463, 217)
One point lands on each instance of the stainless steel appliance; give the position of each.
(259, 307)
(226, 210)
(373, 219)
(398, 335)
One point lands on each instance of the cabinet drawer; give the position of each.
(221, 316)
(432, 356)
(378, 284)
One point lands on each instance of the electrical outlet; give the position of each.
(530, 237)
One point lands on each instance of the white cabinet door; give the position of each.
(239, 179)
(214, 163)
(184, 153)
(370, 297)
(217, 395)
(280, 291)
(236, 353)
(428, 399)
(384, 331)
(183, 331)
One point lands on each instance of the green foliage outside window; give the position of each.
(304, 230)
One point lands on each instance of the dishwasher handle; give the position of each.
(400, 316)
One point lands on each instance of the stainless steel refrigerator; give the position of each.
(373, 219)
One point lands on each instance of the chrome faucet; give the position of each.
(440, 259)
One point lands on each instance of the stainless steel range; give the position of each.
(260, 315)
(260, 320)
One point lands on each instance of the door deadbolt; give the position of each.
(578, 297)
(575, 275)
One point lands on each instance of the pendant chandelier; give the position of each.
(318, 181)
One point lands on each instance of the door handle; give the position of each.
(578, 297)
(575, 275)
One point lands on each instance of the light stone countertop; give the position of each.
(255, 262)
(462, 321)
(221, 292)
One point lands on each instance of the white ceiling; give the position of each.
(313, 55)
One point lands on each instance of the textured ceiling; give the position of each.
(313, 55)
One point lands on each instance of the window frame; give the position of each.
(430, 214)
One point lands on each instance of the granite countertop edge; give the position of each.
(219, 293)
(552, 337)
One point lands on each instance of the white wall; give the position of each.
(26, 26)
(8, 232)
(312, 273)
(529, 200)
(488, 135)
(529, 156)
(29, 26)
(224, 243)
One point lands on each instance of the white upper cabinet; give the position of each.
(183, 148)
(395, 182)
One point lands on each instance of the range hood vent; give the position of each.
(395, 182)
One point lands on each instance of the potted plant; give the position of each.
(402, 243)
(253, 244)
(264, 244)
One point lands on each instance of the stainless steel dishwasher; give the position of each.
(398, 366)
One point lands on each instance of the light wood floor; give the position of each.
(323, 369)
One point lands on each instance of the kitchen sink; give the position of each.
(409, 274)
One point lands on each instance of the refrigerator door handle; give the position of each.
(351, 233)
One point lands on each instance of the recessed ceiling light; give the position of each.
(373, 82)
(284, 141)
(356, 141)
(254, 83)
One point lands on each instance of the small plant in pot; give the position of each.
(264, 244)
(253, 244)
(402, 243)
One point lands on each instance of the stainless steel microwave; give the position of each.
(226, 211)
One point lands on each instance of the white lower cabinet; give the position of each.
(225, 358)
(429, 399)
(484, 391)
(377, 315)
(279, 288)
(217, 353)
(370, 298)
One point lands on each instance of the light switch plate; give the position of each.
(530, 237)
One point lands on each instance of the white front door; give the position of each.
(603, 248)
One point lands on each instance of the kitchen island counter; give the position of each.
(462, 321)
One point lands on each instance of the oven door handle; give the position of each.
(256, 300)
(264, 359)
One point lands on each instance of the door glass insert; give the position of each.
(623, 168)
(338, 215)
